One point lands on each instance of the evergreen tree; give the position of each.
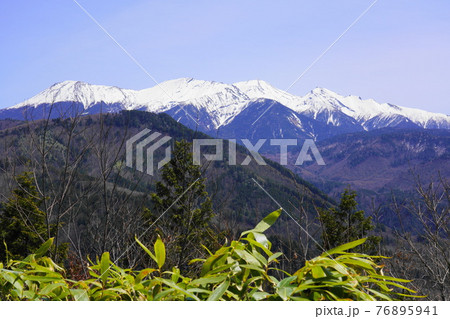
(182, 208)
(345, 223)
(23, 225)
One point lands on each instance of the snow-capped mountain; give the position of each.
(231, 109)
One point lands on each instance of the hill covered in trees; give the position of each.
(66, 179)
(83, 184)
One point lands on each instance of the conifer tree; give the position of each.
(344, 223)
(23, 225)
(182, 207)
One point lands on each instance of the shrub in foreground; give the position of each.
(242, 270)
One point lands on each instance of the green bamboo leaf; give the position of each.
(247, 257)
(274, 257)
(262, 239)
(44, 248)
(285, 292)
(287, 282)
(268, 221)
(317, 296)
(29, 294)
(104, 267)
(361, 263)
(49, 288)
(197, 260)
(160, 252)
(317, 272)
(175, 274)
(142, 274)
(411, 296)
(42, 278)
(265, 224)
(219, 269)
(208, 280)
(251, 267)
(362, 296)
(206, 248)
(260, 258)
(146, 250)
(285, 288)
(13, 279)
(214, 261)
(379, 294)
(199, 290)
(179, 289)
(314, 286)
(62, 295)
(328, 262)
(399, 286)
(80, 294)
(219, 291)
(159, 296)
(345, 247)
(259, 245)
(260, 295)
(299, 299)
(390, 278)
(42, 269)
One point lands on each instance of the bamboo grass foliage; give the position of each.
(244, 269)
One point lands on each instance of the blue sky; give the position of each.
(398, 53)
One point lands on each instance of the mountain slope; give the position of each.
(231, 186)
(100, 200)
(209, 106)
(379, 162)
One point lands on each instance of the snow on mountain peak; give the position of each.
(77, 91)
(222, 102)
(256, 89)
(323, 91)
(65, 83)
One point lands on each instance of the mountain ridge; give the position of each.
(218, 104)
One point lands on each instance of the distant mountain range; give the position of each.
(370, 146)
(252, 109)
(378, 161)
(380, 165)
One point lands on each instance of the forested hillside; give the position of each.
(85, 187)
(379, 165)
(65, 179)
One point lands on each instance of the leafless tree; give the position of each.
(426, 242)
(77, 165)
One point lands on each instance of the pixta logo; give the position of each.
(135, 147)
(146, 140)
(304, 155)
